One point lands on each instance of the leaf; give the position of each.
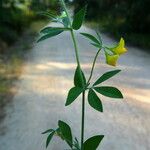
(96, 45)
(47, 14)
(49, 32)
(79, 78)
(73, 94)
(109, 91)
(99, 37)
(106, 76)
(66, 132)
(94, 101)
(79, 18)
(92, 38)
(59, 133)
(65, 21)
(48, 131)
(49, 138)
(93, 142)
(76, 144)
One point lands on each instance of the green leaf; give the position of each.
(49, 32)
(47, 14)
(73, 94)
(106, 76)
(76, 144)
(48, 131)
(109, 91)
(59, 133)
(93, 39)
(99, 37)
(94, 101)
(65, 21)
(79, 78)
(79, 18)
(96, 45)
(66, 132)
(93, 142)
(49, 138)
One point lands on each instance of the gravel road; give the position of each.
(43, 86)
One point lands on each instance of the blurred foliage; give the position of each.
(121, 17)
(16, 15)
(131, 15)
(12, 61)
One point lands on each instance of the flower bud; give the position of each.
(111, 59)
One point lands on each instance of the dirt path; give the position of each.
(43, 87)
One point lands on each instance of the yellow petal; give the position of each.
(111, 59)
(120, 48)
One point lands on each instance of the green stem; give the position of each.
(83, 93)
(78, 63)
(76, 48)
(65, 9)
(72, 34)
(83, 119)
(95, 58)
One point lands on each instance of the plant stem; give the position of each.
(72, 34)
(83, 93)
(95, 58)
(83, 118)
(64, 6)
(78, 63)
(76, 48)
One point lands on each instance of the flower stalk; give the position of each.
(94, 62)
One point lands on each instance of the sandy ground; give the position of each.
(43, 88)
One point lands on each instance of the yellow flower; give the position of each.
(120, 48)
(111, 59)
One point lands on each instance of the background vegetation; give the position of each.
(16, 15)
(19, 21)
(128, 18)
